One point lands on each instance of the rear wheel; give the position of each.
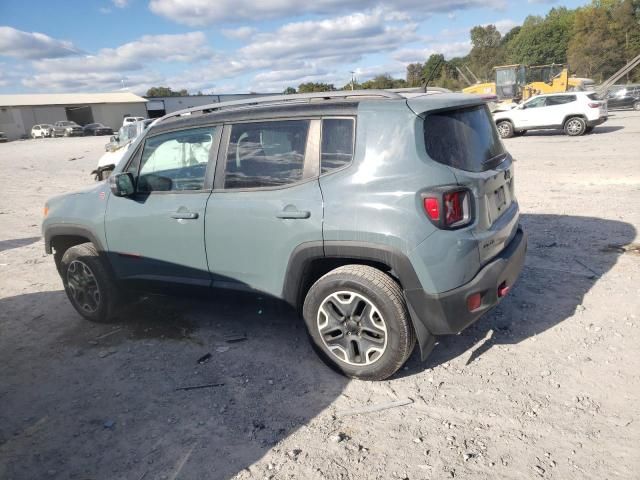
(575, 127)
(505, 129)
(358, 322)
(88, 283)
(636, 105)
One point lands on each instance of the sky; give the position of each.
(233, 46)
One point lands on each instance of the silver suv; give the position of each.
(383, 220)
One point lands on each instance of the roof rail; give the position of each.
(281, 99)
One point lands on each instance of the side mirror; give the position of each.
(122, 184)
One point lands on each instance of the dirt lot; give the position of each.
(546, 386)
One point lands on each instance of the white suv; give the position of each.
(574, 112)
(130, 120)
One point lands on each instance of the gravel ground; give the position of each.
(545, 386)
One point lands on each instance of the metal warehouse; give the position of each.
(18, 113)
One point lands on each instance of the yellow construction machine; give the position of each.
(514, 83)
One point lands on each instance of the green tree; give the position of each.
(433, 68)
(384, 81)
(487, 50)
(593, 51)
(414, 74)
(541, 41)
(310, 87)
(289, 91)
(166, 92)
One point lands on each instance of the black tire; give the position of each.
(388, 315)
(96, 308)
(636, 105)
(505, 129)
(575, 126)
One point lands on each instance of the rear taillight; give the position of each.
(432, 207)
(448, 208)
(595, 105)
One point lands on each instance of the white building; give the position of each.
(18, 113)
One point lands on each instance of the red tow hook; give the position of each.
(503, 289)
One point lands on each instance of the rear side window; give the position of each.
(266, 154)
(464, 138)
(560, 100)
(337, 143)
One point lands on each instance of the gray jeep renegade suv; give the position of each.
(383, 220)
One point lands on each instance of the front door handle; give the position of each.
(294, 214)
(184, 215)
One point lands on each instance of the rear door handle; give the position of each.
(184, 215)
(294, 214)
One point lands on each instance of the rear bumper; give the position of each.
(447, 313)
(599, 121)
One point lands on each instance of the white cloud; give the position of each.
(93, 81)
(503, 26)
(134, 55)
(121, 3)
(202, 12)
(33, 45)
(112, 68)
(331, 41)
(449, 50)
(240, 33)
(314, 50)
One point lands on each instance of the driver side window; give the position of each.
(536, 102)
(175, 161)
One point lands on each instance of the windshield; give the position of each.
(464, 138)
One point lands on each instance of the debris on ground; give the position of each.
(205, 358)
(197, 387)
(375, 408)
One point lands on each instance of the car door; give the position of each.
(266, 201)
(532, 113)
(158, 233)
(558, 107)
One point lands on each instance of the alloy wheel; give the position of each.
(83, 286)
(574, 127)
(352, 328)
(503, 129)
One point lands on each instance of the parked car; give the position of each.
(67, 129)
(624, 99)
(3, 137)
(42, 130)
(381, 239)
(117, 148)
(576, 113)
(128, 120)
(97, 129)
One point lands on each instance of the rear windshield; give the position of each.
(464, 138)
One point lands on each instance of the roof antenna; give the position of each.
(433, 71)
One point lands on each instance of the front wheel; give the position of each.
(88, 283)
(357, 318)
(636, 105)
(575, 127)
(505, 129)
